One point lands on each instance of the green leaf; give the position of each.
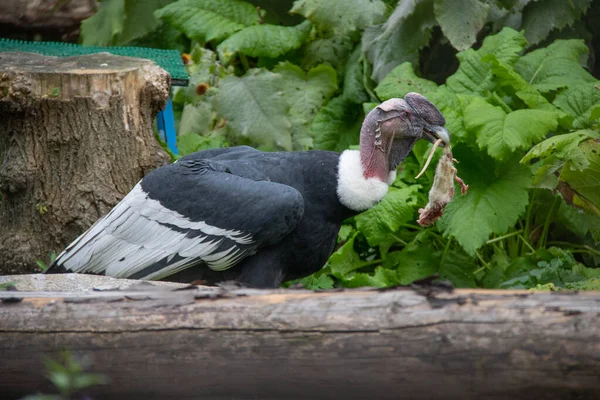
(580, 101)
(457, 267)
(541, 17)
(461, 20)
(354, 89)
(382, 277)
(506, 46)
(381, 221)
(578, 221)
(255, 108)
(197, 118)
(513, 83)
(582, 188)
(305, 93)
(451, 106)
(191, 142)
(318, 281)
(104, 27)
(412, 263)
(331, 50)
(337, 125)
(501, 133)
(207, 20)
(556, 66)
(561, 147)
(344, 260)
(400, 38)
(341, 16)
(139, 18)
(474, 76)
(498, 195)
(264, 40)
(403, 80)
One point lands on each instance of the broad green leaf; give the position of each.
(552, 267)
(498, 195)
(461, 20)
(337, 125)
(509, 80)
(192, 142)
(207, 20)
(403, 80)
(264, 40)
(344, 260)
(458, 268)
(506, 46)
(582, 188)
(580, 101)
(354, 89)
(412, 263)
(333, 50)
(381, 278)
(474, 76)
(508, 4)
(451, 105)
(561, 147)
(501, 133)
(541, 17)
(139, 18)
(305, 93)
(341, 16)
(400, 38)
(578, 221)
(381, 221)
(317, 282)
(197, 118)
(104, 27)
(556, 66)
(255, 108)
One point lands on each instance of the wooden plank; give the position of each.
(294, 344)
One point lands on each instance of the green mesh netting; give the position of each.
(169, 60)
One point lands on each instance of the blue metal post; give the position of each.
(165, 122)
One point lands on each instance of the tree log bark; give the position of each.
(46, 13)
(292, 344)
(75, 136)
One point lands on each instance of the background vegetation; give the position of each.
(517, 81)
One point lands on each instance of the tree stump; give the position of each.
(75, 137)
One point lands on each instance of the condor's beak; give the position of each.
(435, 132)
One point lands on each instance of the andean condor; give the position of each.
(255, 217)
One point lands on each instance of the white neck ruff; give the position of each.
(354, 190)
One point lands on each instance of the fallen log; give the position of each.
(213, 343)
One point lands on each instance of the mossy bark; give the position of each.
(75, 137)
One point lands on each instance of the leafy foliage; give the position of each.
(512, 79)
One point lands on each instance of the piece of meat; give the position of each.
(442, 191)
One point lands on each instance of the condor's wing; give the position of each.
(184, 214)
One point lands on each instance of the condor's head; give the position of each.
(392, 128)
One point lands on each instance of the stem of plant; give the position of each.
(499, 238)
(371, 93)
(244, 61)
(498, 100)
(528, 216)
(481, 260)
(403, 242)
(445, 251)
(544, 235)
(526, 243)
